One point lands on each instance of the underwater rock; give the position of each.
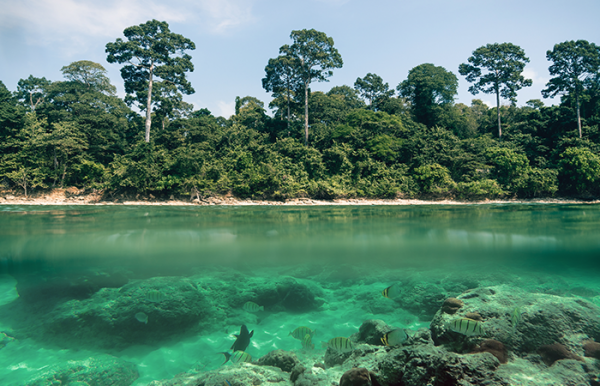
(421, 298)
(433, 365)
(285, 360)
(287, 294)
(551, 353)
(47, 288)
(523, 321)
(103, 370)
(592, 349)
(108, 318)
(495, 348)
(451, 305)
(371, 331)
(358, 377)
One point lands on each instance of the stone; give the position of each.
(285, 360)
(451, 305)
(371, 331)
(103, 370)
(356, 377)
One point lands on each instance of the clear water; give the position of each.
(350, 253)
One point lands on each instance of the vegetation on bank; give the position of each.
(361, 141)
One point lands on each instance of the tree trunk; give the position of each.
(288, 111)
(498, 112)
(578, 113)
(305, 114)
(149, 105)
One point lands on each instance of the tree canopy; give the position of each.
(496, 69)
(153, 54)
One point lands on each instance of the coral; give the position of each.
(474, 316)
(371, 332)
(284, 360)
(551, 353)
(358, 377)
(451, 305)
(494, 347)
(592, 349)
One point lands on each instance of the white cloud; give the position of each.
(489, 103)
(73, 22)
(226, 110)
(538, 81)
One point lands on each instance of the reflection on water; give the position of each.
(396, 236)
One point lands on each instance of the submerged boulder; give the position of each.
(103, 370)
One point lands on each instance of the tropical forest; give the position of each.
(369, 139)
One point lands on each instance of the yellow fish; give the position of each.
(391, 291)
(394, 338)
(301, 331)
(155, 296)
(307, 343)
(466, 326)
(252, 307)
(340, 344)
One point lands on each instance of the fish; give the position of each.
(237, 356)
(515, 317)
(141, 317)
(339, 344)
(466, 326)
(307, 343)
(155, 296)
(394, 337)
(243, 339)
(226, 383)
(252, 307)
(391, 291)
(301, 331)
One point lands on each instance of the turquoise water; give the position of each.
(57, 260)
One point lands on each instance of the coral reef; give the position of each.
(284, 360)
(371, 331)
(358, 377)
(551, 353)
(451, 305)
(494, 347)
(592, 349)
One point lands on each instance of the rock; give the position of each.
(287, 294)
(544, 320)
(451, 305)
(551, 353)
(284, 360)
(592, 350)
(107, 319)
(296, 372)
(421, 298)
(433, 365)
(104, 370)
(356, 377)
(495, 348)
(371, 331)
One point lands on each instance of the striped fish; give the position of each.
(394, 337)
(466, 326)
(391, 291)
(307, 343)
(301, 331)
(252, 307)
(340, 344)
(237, 356)
(155, 296)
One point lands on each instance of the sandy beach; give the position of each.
(73, 196)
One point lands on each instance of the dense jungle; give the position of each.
(365, 140)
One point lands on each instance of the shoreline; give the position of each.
(71, 197)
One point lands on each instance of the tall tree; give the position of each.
(281, 78)
(427, 88)
(32, 91)
(503, 65)
(152, 51)
(372, 88)
(574, 64)
(91, 74)
(315, 56)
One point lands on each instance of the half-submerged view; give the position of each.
(161, 225)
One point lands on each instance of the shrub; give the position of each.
(434, 179)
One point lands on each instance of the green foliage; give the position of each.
(477, 190)
(508, 165)
(579, 171)
(434, 179)
(372, 88)
(428, 88)
(497, 69)
(91, 74)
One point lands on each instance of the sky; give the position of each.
(235, 38)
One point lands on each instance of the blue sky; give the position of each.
(235, 38)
